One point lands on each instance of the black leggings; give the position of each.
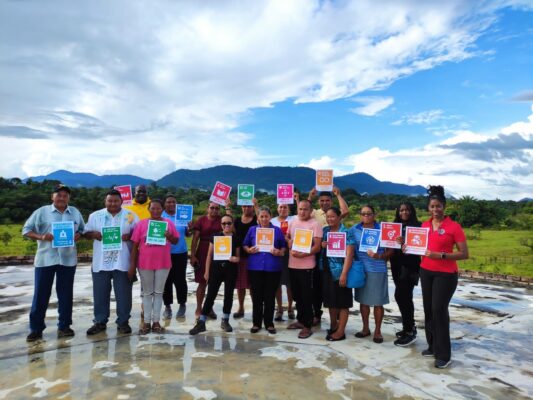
(405, 279)
(437, 291)
(177, 278)
(217, 275)
(264, 285)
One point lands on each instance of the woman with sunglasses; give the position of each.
(264, 270)
(216, 272)
(375, 292)
(405, 270)
(439, 274)
(204, 229)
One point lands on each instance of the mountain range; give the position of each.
(264, 178)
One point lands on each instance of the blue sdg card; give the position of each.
(63, 234)
(369, 240)
(183, 214)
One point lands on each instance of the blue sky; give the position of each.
(411, 92)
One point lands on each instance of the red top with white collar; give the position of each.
(442, 240)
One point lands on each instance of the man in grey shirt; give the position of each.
(56, 256)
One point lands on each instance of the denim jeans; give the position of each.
(153, 285)
(102, 296)
(44, 280)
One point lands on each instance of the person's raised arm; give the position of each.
(342, 203)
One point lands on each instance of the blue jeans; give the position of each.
(102, 295)
(44, 279)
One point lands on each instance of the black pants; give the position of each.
(318, 295)
(302, 292)
(263, 288)
(405, 279)
(437, 291)
(177, 278)
(217, 275)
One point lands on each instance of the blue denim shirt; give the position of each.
(40, 222)
(371, 264)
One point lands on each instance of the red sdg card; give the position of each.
(390, 231)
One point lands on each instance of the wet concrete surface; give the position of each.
(491, 338)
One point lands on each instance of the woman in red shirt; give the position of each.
(438, 275)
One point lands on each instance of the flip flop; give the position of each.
(378, 339)
(361, 334)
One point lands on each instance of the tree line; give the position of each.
(19, 199)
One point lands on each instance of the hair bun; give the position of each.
(436, 191)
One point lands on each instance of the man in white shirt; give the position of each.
(111, 261)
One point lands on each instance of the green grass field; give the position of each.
(494, 251)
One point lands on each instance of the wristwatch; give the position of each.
(443, 256)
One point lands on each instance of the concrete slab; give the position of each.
(491, 338)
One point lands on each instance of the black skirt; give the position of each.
(334, 295)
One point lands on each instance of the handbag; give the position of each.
(356, 275)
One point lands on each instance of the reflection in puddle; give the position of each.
(491, 330)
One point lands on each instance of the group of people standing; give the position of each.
(312, 279)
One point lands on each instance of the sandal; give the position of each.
(144, 329)
(271, 330)
(362, 334)
(156, 328)
(305, 333)
(254, 329)
(291, 314)
(238, 314)
(378, 339)
(279, 316)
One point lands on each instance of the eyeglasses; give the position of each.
(226, 223)
(366, 214)
(214, 208)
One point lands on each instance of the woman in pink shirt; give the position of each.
(153, 262)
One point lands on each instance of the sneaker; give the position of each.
(167, 314)
(405, 340)
(224, 324)
(428, 353)
(181, 311)
(125, 328)
(65, 332)
(34, 336)
(442, 364)
(96, 328)
(403, 332)
(198, 328)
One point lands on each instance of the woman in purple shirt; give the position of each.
(264, 270)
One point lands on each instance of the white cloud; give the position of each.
(153, 86)
(469, 163)
(372, 105)
(424, 117)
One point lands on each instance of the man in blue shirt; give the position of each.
(51, 261)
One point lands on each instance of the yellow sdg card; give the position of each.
(303, 239)
(222, 248)
(264, 239)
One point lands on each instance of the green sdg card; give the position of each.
(245, 194)
(156, 233)
(111, 238)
